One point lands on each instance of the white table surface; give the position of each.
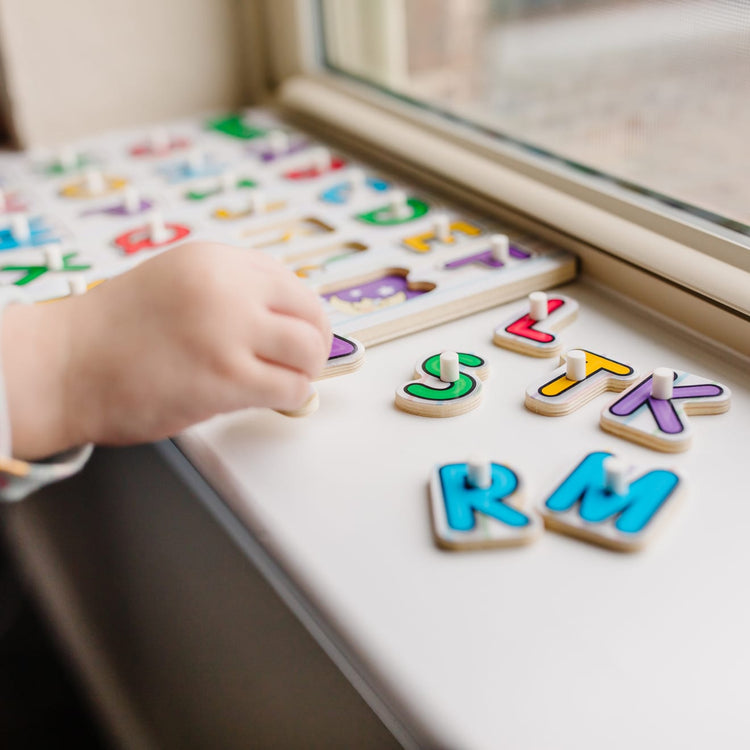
(557, 645)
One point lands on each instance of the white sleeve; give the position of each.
(20, 478)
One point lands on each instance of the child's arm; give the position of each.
(196, 331)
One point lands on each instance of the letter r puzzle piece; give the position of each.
(470, 517)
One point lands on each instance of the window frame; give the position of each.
(705, 263)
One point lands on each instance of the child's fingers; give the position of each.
(276, 387)
(288, 296)
(291, 342)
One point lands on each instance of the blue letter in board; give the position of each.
(597, 504)
(461, 500)
(341, 192)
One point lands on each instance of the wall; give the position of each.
(76, 67)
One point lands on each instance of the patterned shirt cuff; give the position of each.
(20, 478)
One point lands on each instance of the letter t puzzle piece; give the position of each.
(563, 391)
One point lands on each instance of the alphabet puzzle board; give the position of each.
(386, 258)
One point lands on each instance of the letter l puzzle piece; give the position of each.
(536, 338)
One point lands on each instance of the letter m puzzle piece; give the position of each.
(583, 506)
(662, 423)
(467, 517)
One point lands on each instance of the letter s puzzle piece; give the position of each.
(522, 333)
(429, 396)
(469, 517)
(558, 394)
(662, 423)
(586, 507)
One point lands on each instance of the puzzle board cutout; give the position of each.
(364, 241)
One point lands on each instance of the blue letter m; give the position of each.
(597, 504)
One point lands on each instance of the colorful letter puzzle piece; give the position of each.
(135, 240)
(662, 424)
(81, 189)
(314, 170)
(342, 192)
(384, 216)
(557, 395)
(468, 517)
(237, 126)
(429, 396)
(33, 272)
(523, 334)
(584, 507)
(485, 258)
(423, 243)
(347, 355)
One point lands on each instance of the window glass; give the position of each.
(653, 95)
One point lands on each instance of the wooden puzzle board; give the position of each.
(379, 277)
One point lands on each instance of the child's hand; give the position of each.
(199, 330)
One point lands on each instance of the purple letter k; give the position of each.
(665, 414)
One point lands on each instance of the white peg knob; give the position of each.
(575, 365)
(93, 180)
(67, 157)
(356, 178)
(195, 160)
(20, 229)
(479, 472)
(157, 230)
(278, 142)
(131, 200)
(227, 181)
(615, 476)
(538, 305)
(662, 383)
(449, 371)
(321, 159)
(53, 257)
(500, 247)
(399, 208)
(257, 202)
(441, 228)
(159, 141)
(77, 285)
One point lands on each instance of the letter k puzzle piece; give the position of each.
(662, 423)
